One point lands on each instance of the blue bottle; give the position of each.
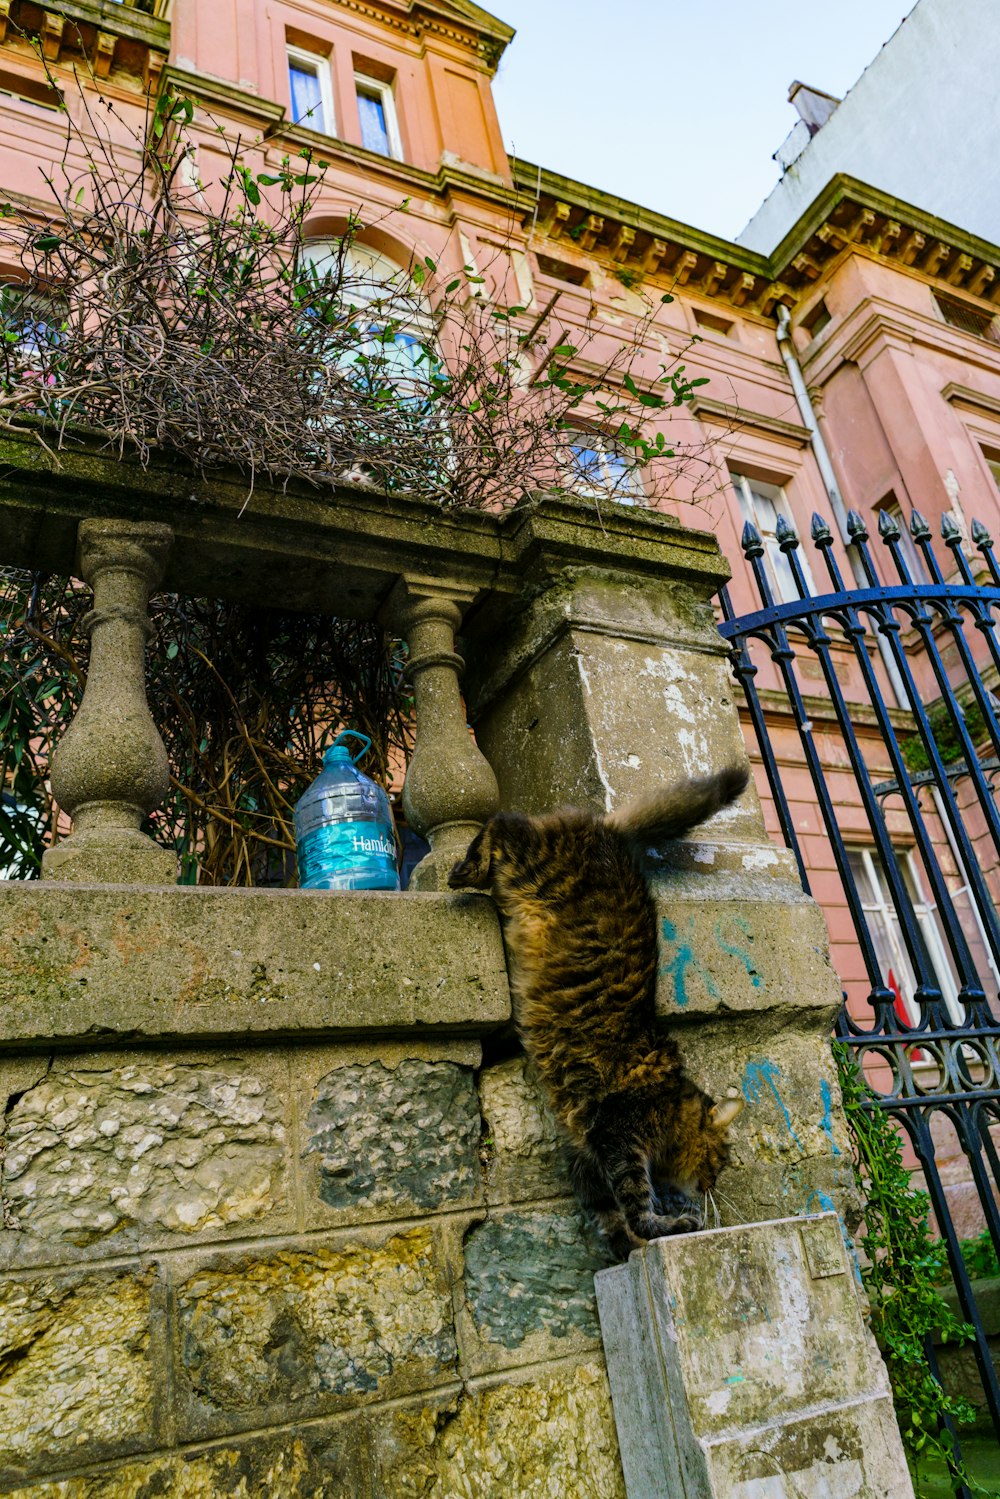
(344, 835)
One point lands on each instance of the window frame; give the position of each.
(364, 82)
(319, 64)
(886, 925)
(42, 322)
(776, 562)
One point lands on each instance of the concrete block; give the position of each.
(742, 944)
(396, 1135)
(142, 1149)
(547, 1433)
(82, 963)
(741, 1367)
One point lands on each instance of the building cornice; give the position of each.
(66, 28)
(731, 417)
(638, 242)
(847, 216)
(465, 24)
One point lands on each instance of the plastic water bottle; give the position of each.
(344, 833)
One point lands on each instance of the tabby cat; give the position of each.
(580, 926)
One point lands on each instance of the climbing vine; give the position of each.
(901, 1269)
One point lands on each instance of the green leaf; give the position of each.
(48, 242)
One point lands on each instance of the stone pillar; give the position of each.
(603, 677)
(109, 770)
(450, 790)
(741, 1365)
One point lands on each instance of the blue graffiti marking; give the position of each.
(678, 966)
(826, 1124)
(761, 1075)
(735, 951)
(826, 1205)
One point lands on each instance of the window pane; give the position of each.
(374, 131)
(600, 468)
(307, 98)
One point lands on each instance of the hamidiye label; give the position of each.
(347, 856)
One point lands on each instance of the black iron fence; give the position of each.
(883, 688)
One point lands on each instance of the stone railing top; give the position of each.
(340, 551)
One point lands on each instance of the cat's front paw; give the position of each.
(664, 1227)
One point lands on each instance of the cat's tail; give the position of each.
(674, 810)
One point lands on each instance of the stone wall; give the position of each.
(270, 1225)
(346, 1270)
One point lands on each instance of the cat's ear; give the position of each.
(722, 1114)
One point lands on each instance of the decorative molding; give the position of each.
(216, 91)
(707, 409)
(82, 21)
(848, 217)
(971, 400)
(467, 25)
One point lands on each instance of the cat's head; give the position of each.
(496, 851)
(715, 1146)
(473, 871)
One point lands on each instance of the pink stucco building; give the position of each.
(890, 316)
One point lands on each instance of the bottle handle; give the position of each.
(353, 734)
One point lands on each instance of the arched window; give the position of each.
(30, 324)
(394, 321)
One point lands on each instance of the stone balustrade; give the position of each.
(422, 572)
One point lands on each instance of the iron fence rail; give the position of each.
(932, 1055)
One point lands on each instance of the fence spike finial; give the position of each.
(750, 540)
(856, 528)
(919, 529)
(951, 531)
(785, 534)
(981, 536)
(888, 526)
(819, 530)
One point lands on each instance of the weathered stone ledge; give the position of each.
(85, 965)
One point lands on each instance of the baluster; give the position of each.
(109, 770)
(450, 790)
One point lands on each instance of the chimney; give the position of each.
(814, 106)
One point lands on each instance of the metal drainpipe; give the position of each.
(819, 447)
(823, 463)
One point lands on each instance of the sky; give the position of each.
(677, 105)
